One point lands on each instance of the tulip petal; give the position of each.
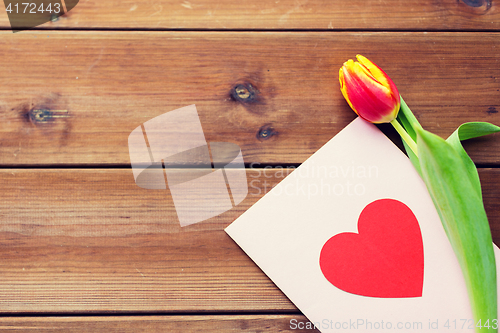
(378, 73)
(343, 88)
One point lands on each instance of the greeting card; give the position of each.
(354, 241)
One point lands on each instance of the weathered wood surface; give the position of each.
(159, 324)
(281, 14)
(108, 83)
(75, 241)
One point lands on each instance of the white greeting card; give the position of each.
(353, 239)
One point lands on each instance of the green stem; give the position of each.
(409, 141)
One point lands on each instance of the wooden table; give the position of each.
(83, 249)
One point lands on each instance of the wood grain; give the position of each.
(79, 237)
(160, 324)
(108, 83)
(91, 241)
(284, 14)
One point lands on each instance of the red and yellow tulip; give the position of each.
(449, 174)
(369, 91)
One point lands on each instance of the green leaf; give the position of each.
(464, 219)
(469, 131)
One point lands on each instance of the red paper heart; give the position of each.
(385, 259)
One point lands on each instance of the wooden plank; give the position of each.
(490, 178)
(284, 14)
(161, 324)
(74, 241)
(92, 241)
(110, 82)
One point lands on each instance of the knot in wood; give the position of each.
(266, 132)
(40, 115)
(478, 3)
(245, 93)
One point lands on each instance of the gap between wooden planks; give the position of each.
(283, 14)
(153, 324)
(72, 98)
(75, 241)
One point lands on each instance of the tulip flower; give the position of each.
(449, 174)
(369, 91)
(371, 94)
